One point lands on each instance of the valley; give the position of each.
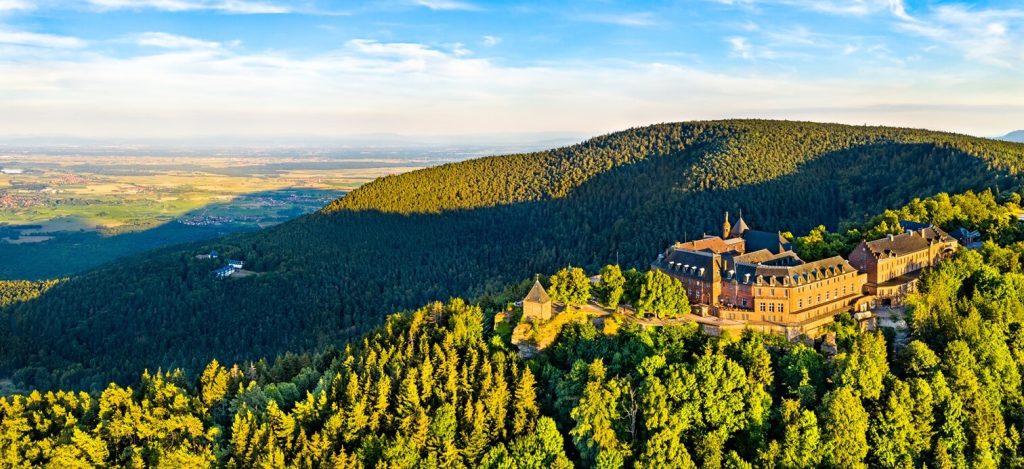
(104, 207)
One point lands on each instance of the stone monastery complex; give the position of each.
(747, 278)
(750, 279)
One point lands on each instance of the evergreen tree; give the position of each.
(596, 417)
(801, 439)
(844, 427)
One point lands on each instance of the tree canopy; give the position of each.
(472, 228)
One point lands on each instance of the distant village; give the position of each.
(751, 279)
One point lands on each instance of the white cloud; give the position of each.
(368, 86)
(12, 5)
(459, 50)
(638, 19)
(740, 47)
(491, 41)
(990, 36)
(226, 6)
(51, 41)
(443, 5)
(853, 7)
(173, 41)
(835, 7)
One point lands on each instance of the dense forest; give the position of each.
(16, 291)
(434, 388)
(472, 228)
(994, 219)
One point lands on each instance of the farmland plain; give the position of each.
(60, 214)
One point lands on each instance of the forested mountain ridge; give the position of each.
(728, 153)
(474, 227)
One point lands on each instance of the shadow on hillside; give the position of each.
(70, 252)
(333, 276)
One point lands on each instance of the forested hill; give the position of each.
(474, 227)
(728, 154)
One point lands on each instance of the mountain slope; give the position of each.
(1015, 136)
(473, 227)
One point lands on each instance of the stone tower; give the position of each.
(726, 227)
(537, 304)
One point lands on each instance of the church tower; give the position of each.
(726, 227)
(739, 228)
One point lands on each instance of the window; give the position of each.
(771, 307)
(762, 307)
(744, 302)
(782, 308)
(819, 297)
(772, 292)
(826, 296)
(800, 303)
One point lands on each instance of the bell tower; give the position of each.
(726, 227)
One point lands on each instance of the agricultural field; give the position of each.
(63, 214)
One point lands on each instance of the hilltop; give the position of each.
(1015, 136)
(472, 228)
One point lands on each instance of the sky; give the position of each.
(180, 69)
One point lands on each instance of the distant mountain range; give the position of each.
(1015, 136)
(454, 147)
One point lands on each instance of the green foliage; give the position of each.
(865, 367)
(801, 441)
(612, 287)
(457, 398)
(634, 283)
(433, 388)
(844, 427)
(596, 417)
(430, 389)
(895, 439)
(16, 291)
(662, 295)
(971, 210)
(570, 286)
(474, 227)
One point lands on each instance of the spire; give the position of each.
(537, 294)
(739, 227)
(726, 227)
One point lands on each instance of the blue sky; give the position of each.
(193, 68)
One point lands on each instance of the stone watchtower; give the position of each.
(537, 304)
(726, 227)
